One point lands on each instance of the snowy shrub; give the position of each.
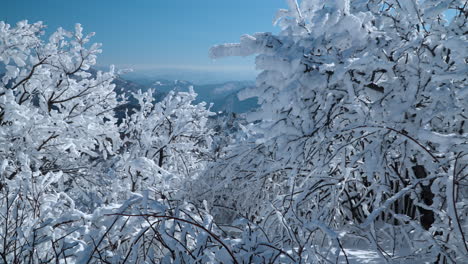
(69, 173)
(165, 144)
(61, 116)
(362, 134)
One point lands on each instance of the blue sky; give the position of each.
(146, 34)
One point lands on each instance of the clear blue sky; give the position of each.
(154, 33)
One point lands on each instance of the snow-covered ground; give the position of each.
(357, 256)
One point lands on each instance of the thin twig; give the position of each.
(188, 222)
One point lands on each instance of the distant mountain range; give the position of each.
(223, 96)
(200, 76)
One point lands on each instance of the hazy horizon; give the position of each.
(195, 76)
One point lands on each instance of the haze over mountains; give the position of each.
(222, 95)
(201, 76)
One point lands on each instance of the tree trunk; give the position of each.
(427, 216)
(161, 157)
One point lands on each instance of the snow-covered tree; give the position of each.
(57, 124)
(60, 117)
(362, 133)
(65, 164)
(166, 143)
